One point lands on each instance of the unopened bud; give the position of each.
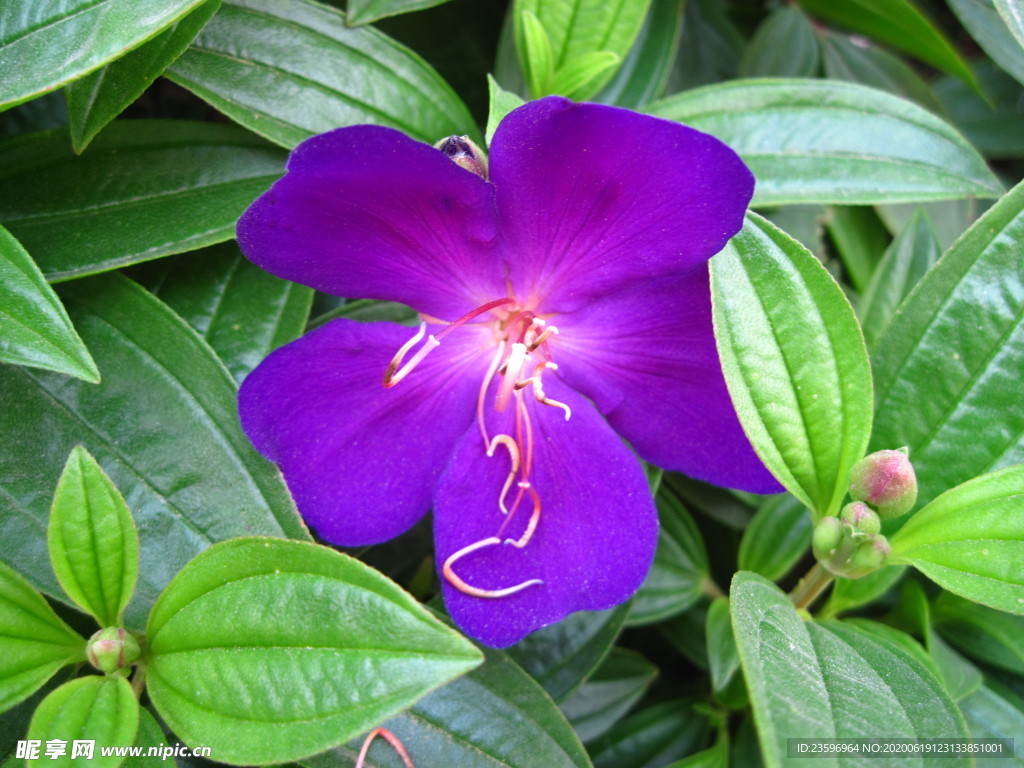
(464, 153)
(826, 537)
(112, 649)
(869, 556)
(861, 518)
(886, 481)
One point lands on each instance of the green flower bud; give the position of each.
(828, 533)
(861, 518)
(868, 557)
(112, 649)
(465, 154)
(886, 481)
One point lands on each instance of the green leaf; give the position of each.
(100, 96)
(164, 426)
(644, 73)
(561, 656)
(500, 104)
(269, 650)
(831, 142)
(609, 693)
(858, 62)
(538, 60)
(94, 547)
(369, 311)
(469, 724)
(35, 643)
(289, 69)
(989, 29)
(45, 45)
(783, 46)
(578, 78)
(368, 11)
(899, 23)
(860, 237)
(652, 737)
(794, 361)
(150, 736)
(990, 636)
(1012, 12)
(680, 568)
(914, 251)
(777, 538)
(853, 593)
(243, 312)
(992, 713)
(992, 126)
(941, 387)
(960, 676)
(34, 326)
(723, 657)
(710, 48)
(145, 189)
(970, 540)
(950, 217)
(101, 709)
(715, 756)
(830, 680)
(720, 505)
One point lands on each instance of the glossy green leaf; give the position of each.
(34, 327)
(653, 737)
(686, 633)
(914, 251)
(369, 11)
(289, 69)
(501, 102)
(243, 312)
(150, 735)
(93, 544)
(101, 709)
(710, 48)
(369, 311)
(561, 656)
(537, 57)
(35, 643)
(988, 635)
(848, 594)
(1012, 12)
(469, 724)
(830, 680)
(794, 361)
(899, 23)
(720, 505)
(970, 540)
(860, 62)
(960, 676)
(99, 97)
(948, 367)
(783, 46)
(993, 125)
(680, 568)
(644, 72)
(269, 650)
(777, 538)
(577, 79)
(950, 217)
(804, 223)
(145, 189)
(164, 426)
(609, 693)
(830, 142)
(989, 29)
(45, 45)
(715, 756)
(992, 712)
(723, 657)
(861, 238)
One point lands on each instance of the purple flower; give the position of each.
(565, 304)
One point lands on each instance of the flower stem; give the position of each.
(710, 588)
(810, 587)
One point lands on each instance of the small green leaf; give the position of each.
(901, 24)
(1012, 12)
(644, 73)
(861, 238)
(848, 594)
(914, 251)
(778, 536)
(501, 103)
(652, 737)
(680, 568)
(578, 78)
(289, 69)
(35, 643)
(609, 693)
(794, 361)
(99, 709)
(94, 547)
(715, 756)
(830, 142)
(144, 189)
(723, 658)
(783, 46)
(988, 635)
(970, 540)
(45, 45)
(831, 680)
(100, 96)
(988, 27)
(368, 11)
(269, 650)
(34, 326)
(947, 368)
(538, 64)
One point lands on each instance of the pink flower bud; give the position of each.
(886, 481)
(861, 518)
(112, 649)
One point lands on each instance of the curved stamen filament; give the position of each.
(510, 371)
(391, 377)
(538, 389)
(531, 526)
(513, 452)
(391, 739)
(474, 313)
(468, 589)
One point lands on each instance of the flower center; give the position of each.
(521, 355)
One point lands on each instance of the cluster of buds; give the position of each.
(882, 486)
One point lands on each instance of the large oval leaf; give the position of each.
(144, 189)
(44, 45)
(268, 650)
(829, 142)
(794, 360)
(163, 424)
(289, 69)
(947, 370)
